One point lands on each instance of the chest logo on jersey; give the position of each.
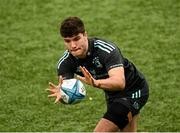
(97, 63)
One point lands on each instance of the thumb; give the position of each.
(78, 77)
(60, 80)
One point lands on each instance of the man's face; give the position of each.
(77, 45)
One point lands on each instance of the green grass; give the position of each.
(30, 45)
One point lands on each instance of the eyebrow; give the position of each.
(72, 38)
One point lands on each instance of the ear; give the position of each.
(65, 46)
(85, 34)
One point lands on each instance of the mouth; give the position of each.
(75, 50)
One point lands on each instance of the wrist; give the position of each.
(96, 83)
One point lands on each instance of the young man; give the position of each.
(100, 64)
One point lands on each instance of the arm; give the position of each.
(116, 80)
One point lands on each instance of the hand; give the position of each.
(88, 79)
(55, 90)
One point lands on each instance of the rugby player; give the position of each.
(100, 63)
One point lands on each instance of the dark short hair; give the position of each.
(71, 26)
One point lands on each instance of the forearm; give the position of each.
(110, 84)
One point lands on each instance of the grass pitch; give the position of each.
(147, 33)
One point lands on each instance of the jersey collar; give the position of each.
(90, 47)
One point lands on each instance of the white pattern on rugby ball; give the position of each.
(72, 91)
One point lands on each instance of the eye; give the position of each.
(66, 40)
(76, 38)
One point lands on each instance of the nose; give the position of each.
(73, 44)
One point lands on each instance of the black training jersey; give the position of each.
(101, 57)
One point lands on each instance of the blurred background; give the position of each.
(147, 32)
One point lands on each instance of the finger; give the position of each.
(57, 99)
(47, 89)
(52, 85)
(83, 71)
(89, 77)
(80, 78)
(87, 72)
(60, 80)
(52, 95)
(51, 90)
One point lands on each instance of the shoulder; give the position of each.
(104, 46)
(64, 58)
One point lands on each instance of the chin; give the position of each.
(78, 55)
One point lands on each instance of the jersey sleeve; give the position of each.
(114, 59)
(110, 55)
(65, 67)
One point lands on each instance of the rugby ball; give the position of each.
(72, 91)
